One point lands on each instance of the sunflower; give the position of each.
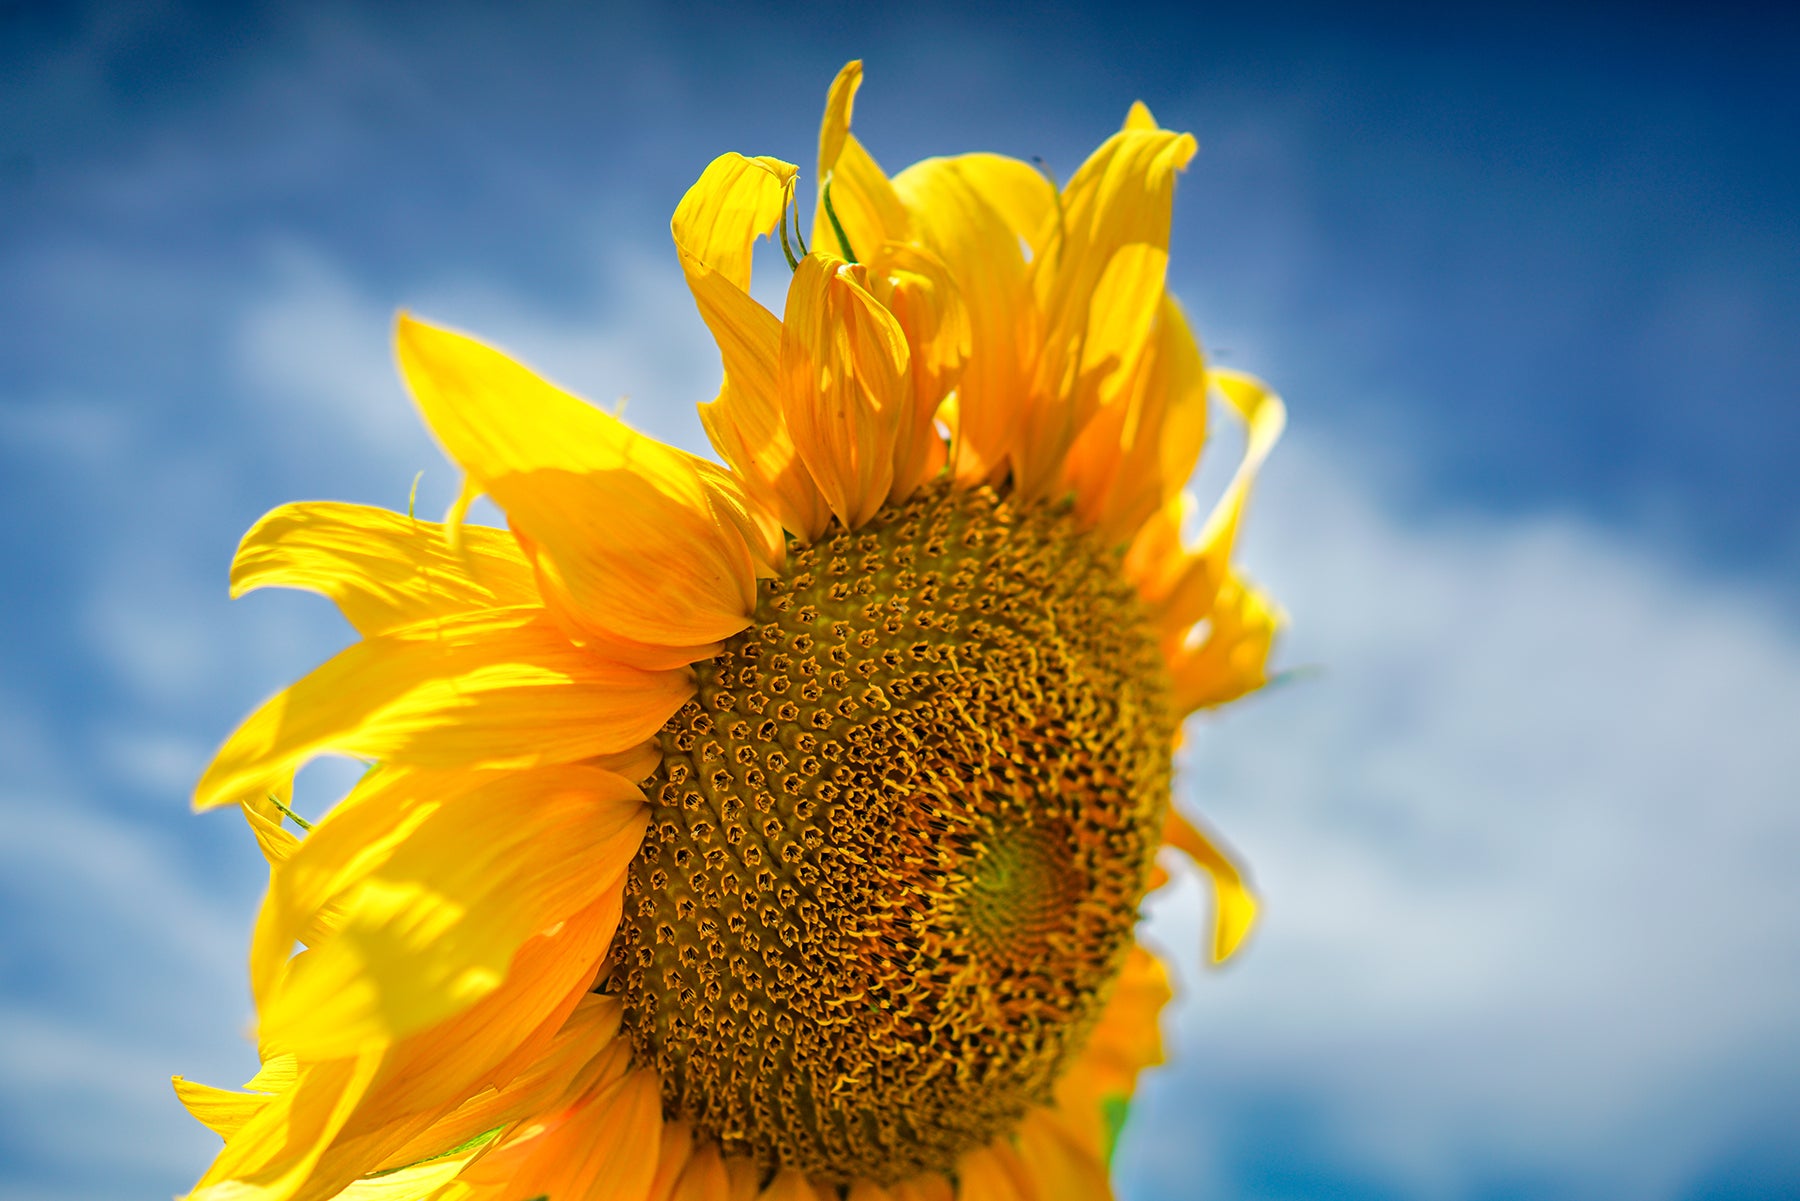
(776, 828)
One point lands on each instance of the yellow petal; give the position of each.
(272, 1154)
(265, 814)
(505, 1032)
(500, 689)
(1234, 907)
(436, 906)
(1232, 658)
(1138, 118)
(953, 219)
(867, 207)
(915, 286)
(734, 202)
(382, 569)
(1181, 585)
(1141, 446)
(628, 530)
(221, 1110)
(1019, 192)
(1098, 284)
(791, 1185)
(844, 364)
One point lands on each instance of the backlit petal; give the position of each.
(1231, 657)
(437, 904)
(499, 689)
(1098, 283)
(629, 529)
(867, 207)
(383, 569)
(1141, 446)
(953, 219)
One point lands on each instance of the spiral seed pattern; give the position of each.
(897, 841)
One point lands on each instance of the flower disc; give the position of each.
(898, 840)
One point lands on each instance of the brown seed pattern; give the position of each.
(898, 840)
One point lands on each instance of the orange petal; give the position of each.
(703, 1177)
(499, 689)
(1060, 1167)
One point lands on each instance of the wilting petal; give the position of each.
(953, 219)
(843, 384)
(629, 529)
(1234, 906)
(383, 569)
(498, 689)
(437, 897)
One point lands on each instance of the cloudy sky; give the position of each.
(1526, 828)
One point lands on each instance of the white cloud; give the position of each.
(1525, 842)
(1526, 845)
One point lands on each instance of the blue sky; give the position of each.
(1528, 281)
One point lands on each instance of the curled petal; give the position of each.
(1234, 906)
(863, 199)
(844, 362)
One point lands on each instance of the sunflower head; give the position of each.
(777, 826)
